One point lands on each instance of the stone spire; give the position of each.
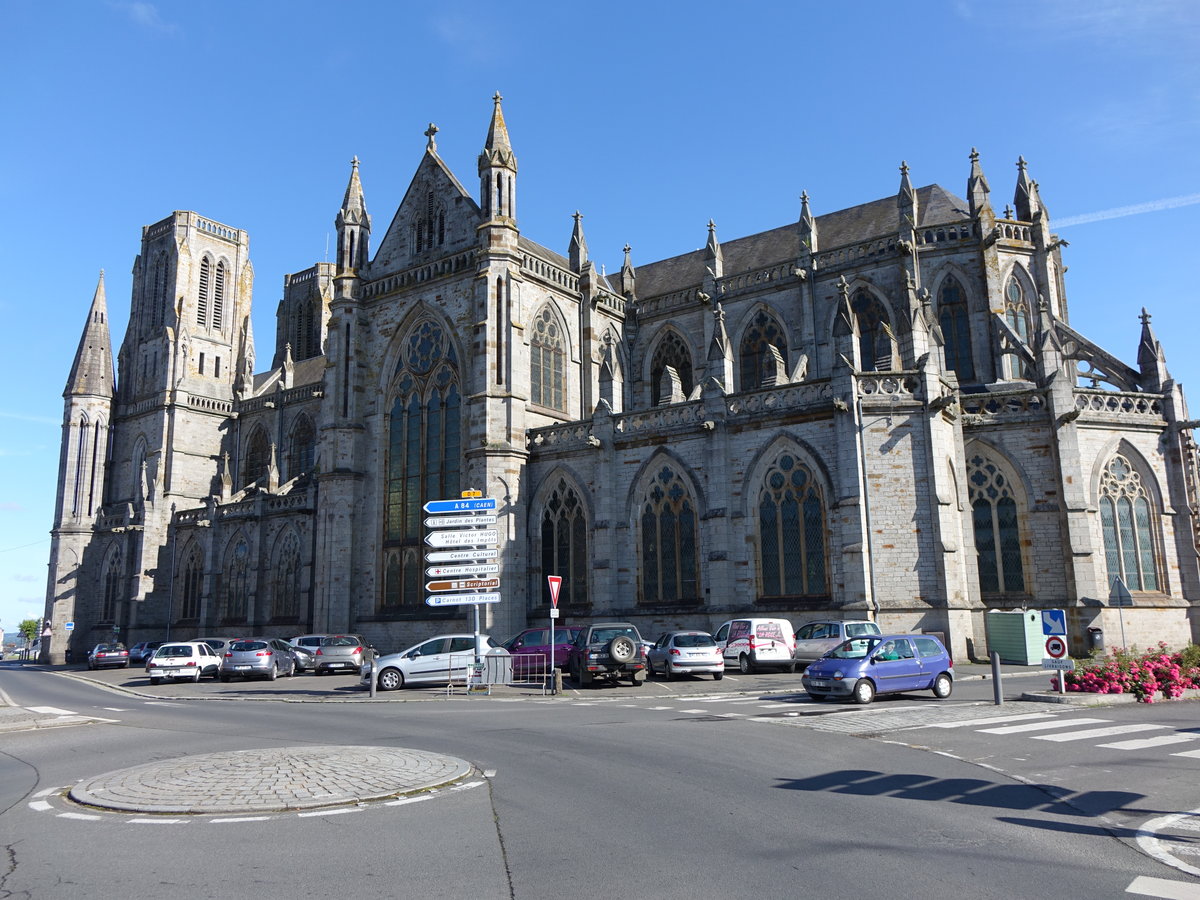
(713, 258)
(808, 225)
(977, 186)
(628, 276)
(92, 370)
(353, 224)
(578, 253)
(1026, 197)
(1151, 359)
(906, 201)
(498, 169)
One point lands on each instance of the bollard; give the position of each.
(558, 681)
(374, 674)
(996, 693)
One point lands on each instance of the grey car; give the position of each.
(815, 639)
(306, 657)
(258, 657)
(340, 653)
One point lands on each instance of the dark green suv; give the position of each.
(610, 651)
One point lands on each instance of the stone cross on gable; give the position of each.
(429, 133)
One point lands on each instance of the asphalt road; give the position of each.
(614, 792)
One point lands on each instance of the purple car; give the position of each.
(531, 649)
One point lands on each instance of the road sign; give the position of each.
(47, 631)
(460, 538)
(1059, 665)
(455, 571)
(460, 506)
(1056, 647)
(555, 582)
(462, 555)
(1054, 621)
(1118, 594)
(70, 626)
(462, 599)
(467, 521)
(467, 584)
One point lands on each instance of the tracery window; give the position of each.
(204, 293)
(791, 525)
(193, 570)
(996, 521)
(285, 588)
(1017, 314)
(301, 447)
(956, 330)
(764, 332)
(218, 309)
(671, 351)
(546, 361)
(875, 351)
(669, 541)
(1129, 521)
(258, 457)
(110, 584)
(237, 582)
(564, 538)
(308, 328)
(424, 456)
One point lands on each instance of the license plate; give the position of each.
(242, 667)
(335, 665)
(819, 682)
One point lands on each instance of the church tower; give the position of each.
(83, 456)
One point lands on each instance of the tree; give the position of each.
(28, 629)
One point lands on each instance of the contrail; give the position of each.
(1122, 211)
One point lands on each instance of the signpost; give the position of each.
(1054, 621)
(555, 584)
(1056, 646)
(1119, 597)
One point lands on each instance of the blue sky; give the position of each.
(649, 118)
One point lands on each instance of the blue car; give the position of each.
(862, 667)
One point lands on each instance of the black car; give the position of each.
(609, 651)
(143, 650)
(108, 655)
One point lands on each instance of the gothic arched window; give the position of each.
(308, 328)
(756, 355)
(669, 541)
(285, 586)
(564, 541)
(671, 351)
(205, 293)
(218, 307)
(1129, 521)
(193, 571)
(956, 330)
(258, 457)
(424, 456)
(546, 361)
(875, 352)
(997, 528)
(791, 525)
(110, 584)
(237, 582)
(302, 443)
(1017, 314)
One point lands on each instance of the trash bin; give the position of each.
(1095, 638)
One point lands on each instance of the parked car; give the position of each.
(686, 653)
(863, 667)
(108, 655)
(308, 641)
(263, 657)
(607, 651)
(189, 660)
(219, 644)
(340, 653)
(815, 639)
(439, 660)
(141, 652)
(531, 648)
(305, 657)
(754, 644)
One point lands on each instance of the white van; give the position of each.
(753, 644)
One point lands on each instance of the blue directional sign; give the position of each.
(1054, 622)
(475, 504)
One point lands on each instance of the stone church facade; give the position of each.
(877, 412)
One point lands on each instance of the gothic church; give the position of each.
(881, 411)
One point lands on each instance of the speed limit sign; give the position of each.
(1056, 647)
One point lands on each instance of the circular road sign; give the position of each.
(1056, 647)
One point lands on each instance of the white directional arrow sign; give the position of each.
(460, 538)
(462, 599)
(460, 521)
(457, 571)
(461, 555)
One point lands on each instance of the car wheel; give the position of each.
(585, 678)
(622, 648)
(816, 698)
(864, 691)
(942, 686)
(274, 673)
(196, 677)
(636, 682)
(745, 665)
(224, 677)
(667, 671)
(717, 676)
(391, 679)
(156, 681)
(125, 665)
(792, 668)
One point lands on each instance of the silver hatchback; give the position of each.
(340, 653)
(257, 658)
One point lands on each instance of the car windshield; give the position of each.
(341, 640)
(604, 635)
(174, 650)
(855, 648)
(857, 629)
(109, 648)
(243, 646)
(694, 640)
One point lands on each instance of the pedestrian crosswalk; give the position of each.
(1062, 729)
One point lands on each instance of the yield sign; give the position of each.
(555, 582)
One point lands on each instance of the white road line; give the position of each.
(51, 711)
(1040, 726)
(40, 805)
(489, 773)
(1147, 743)
(85, 818)
(724, 700)
(114, 709)
(467, 786)
(46, 793)
(775, 705)
(239, 819)
(329, 812)
(693, 710)
(405, 800)
(1096, 733)
(1190, 754)
(992, 720)
(156, 821)
(1164, 888)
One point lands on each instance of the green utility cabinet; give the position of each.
(1016, 635)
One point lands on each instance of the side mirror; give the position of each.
(871, 660)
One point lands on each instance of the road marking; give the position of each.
(1096, 733)
(329, 812)
(1190, 754)
(658, 708)
(1146, 743)
(1163, 888)
(693, 710)
(161, 703)
(406, 800)
(46, 793)
(82, 816)
(156, 821)
(993, 720)
(239, 819)
(1040, 726)
(40, 805)
(51, 711)
(114, 709)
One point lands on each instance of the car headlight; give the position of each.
(839, 675)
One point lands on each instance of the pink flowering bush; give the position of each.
(1143, 674)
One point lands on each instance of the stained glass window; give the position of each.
(996, 526)
(1128, 522)
(956, 330)
(546, 357)
(874, 333)
(669, 541)
(764, 332)
(791, 530)
(671, 351)
(564, 538)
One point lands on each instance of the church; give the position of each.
(876, 412)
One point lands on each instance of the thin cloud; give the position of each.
(24, 417)
(1120, 212)
(145, 15)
